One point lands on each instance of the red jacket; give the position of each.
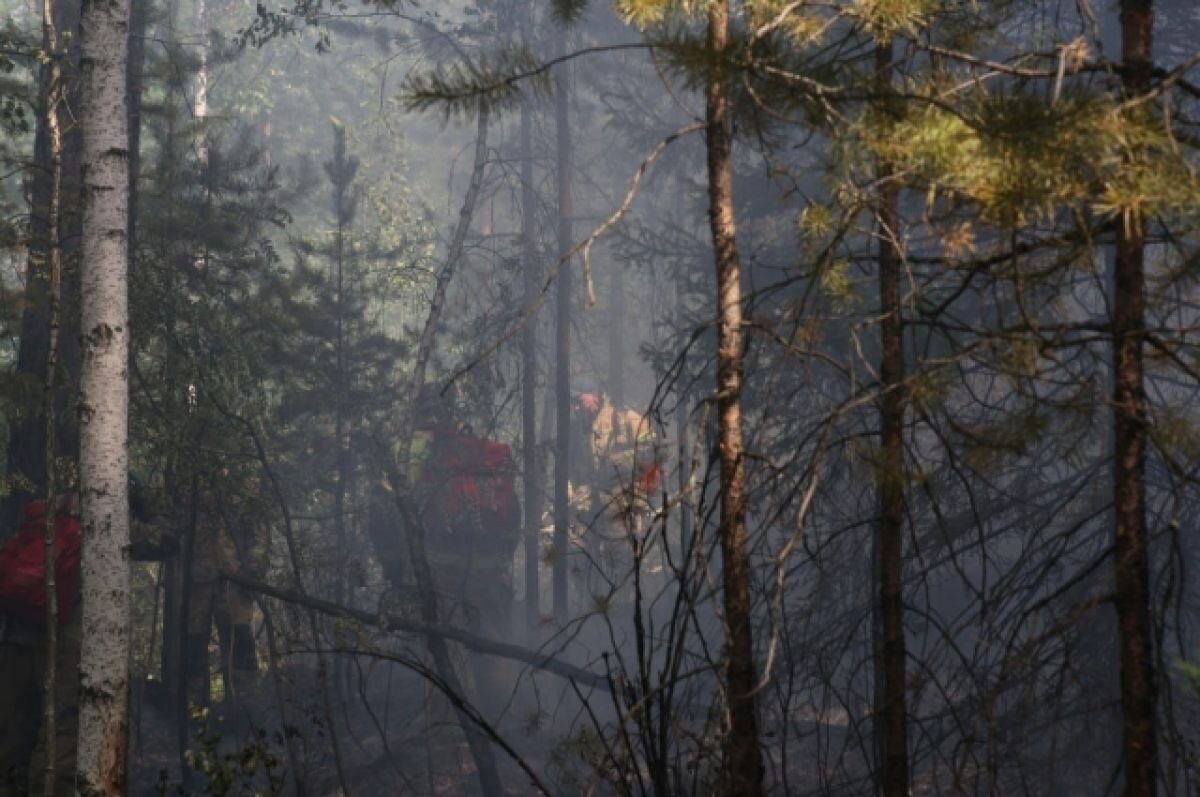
(22, 571)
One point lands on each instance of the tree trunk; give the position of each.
(27, 439)
(200, 97)
(891, 708)
(481, 751)
(1138, 695)
(134, 68)
(341, 174)
(529, 459)
(562, 341)
(743, 759)
(104, 401)
(54, 91)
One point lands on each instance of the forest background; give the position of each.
(904, 288)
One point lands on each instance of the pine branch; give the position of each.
(460, 90)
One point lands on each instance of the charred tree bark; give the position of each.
(104, 401)
(562, 341)
(1138, 693)
(891, 710)
(743, 768)
(529, 459)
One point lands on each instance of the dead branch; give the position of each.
(533, 658)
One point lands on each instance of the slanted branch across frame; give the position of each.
(533, 658)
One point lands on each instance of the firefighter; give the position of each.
(614, 469)
(615, 456)
(23, 638)
(23, 656)
(464, 485)
(230, 538)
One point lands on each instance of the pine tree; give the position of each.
(743, 759)
(891, 658)
(1138, 692)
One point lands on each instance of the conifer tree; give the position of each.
(1131, 540)
(743, 761)
(891, 683)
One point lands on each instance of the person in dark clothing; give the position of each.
(231, 537)
(23, 637)
(23, 651)
(464, 485)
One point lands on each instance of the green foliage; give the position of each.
(251, 770)
(568, 12)
(886, 18)
(836, 283)
(1176, 431)
(1021, 157)
(14, 90)
(460, 89)
(646, 13)
(985, 446)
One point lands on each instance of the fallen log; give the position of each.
(535, 659)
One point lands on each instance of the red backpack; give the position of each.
(22, 570)
(472, 482)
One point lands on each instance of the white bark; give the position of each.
(104, 400)
(200, 102)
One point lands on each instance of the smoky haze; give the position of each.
(616, 398)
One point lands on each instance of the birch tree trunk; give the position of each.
(743, 768)
(1138, 694)
(104, 400)
(200, 87)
